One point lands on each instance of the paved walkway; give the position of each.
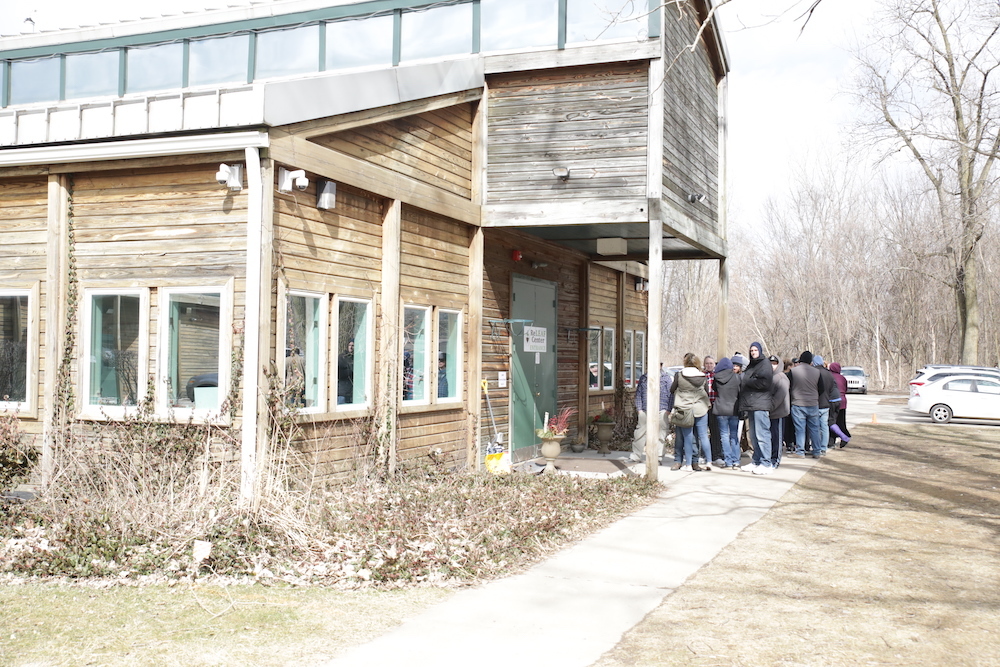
(569, 610)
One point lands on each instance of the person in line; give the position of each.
(805, 388)
(780, 408)
(727, 387)
(690, 392)
(755, 399)
(839, 427)
(666, 403)
(708, 366)
(789, 427)
(828, 403)
(443, 375)
(739, 364)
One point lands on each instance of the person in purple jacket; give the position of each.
(839, 427)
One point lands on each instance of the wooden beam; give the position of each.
(474, 374)
(654, 312)
(302, 154)
(315, 128)
(555, 213)
(583, 376)
(723, 309)
(56, 289)
(389, 341)
(573, 57)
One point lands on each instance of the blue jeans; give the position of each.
(760, 436)
(806, 416)
(824, 432)
(686, 436)
(729, 433)
(777, 431)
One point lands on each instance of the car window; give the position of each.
(988, 386)
(851, 371)
(959, 385)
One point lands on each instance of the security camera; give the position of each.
(287, 179)
(222, 176)
(301, 182)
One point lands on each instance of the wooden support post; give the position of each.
(723, 213)
(256, 327)
(56, 307)
(474, 395)
(390, 342)
(723, 308)
(583, 336)
(654, 316)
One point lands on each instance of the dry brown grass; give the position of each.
(884, 554)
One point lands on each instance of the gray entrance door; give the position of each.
(534, 361)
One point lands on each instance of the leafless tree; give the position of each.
(930, 83)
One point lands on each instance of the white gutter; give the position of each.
(136, 148)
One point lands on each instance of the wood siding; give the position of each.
(434, 147)
(23, 244)
(592, 120)
(690, 125)
(564, 269)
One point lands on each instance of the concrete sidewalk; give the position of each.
(569, 610)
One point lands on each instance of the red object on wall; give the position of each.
(515, 255)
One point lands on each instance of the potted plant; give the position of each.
(552, 434)
(605, 422)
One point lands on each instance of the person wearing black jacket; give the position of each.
(727, 389)
(755, 399)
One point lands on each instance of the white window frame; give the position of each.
(430, 367)
(181, 414)
(323, 373)
(459, 356)
(639, 355)
(369, 356)
(27, 407)
(87, 410)
(629, 378)
(608, 333)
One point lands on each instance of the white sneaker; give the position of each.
(750, 467)
(634, 459)
(763, 470)
(686, 469)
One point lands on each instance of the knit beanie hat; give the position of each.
(806, 357)
(739, 359)
(817, 360)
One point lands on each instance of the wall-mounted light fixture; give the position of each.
(289, 179)
(641, 285)
(326, 195)
(230, 175)
(695, 198)
(539, 265)
(562, 173)
(615, 247)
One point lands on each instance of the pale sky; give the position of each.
(784, 90)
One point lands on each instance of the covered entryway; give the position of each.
(533, 315)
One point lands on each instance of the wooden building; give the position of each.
(387, 201)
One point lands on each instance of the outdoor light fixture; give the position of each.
(287, 179)
(695, 199)
(326, 195)
(562, 173)
(539, 265)
(230, 175)
(612, 247)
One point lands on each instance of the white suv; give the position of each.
(857, 379)
(934, 372)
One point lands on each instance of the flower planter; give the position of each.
(604, 432)
(551, 448)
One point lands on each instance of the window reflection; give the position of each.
(154, 67)
(359, 43)
(13, 348)
(303, 351)
(442, 31)
(34, 81)
(114, 350)
(92, 74)
(449, 358)
(287, 52)
(193, 337)
(591, 20)
(222, 60)
(518, 24)
(352, 361)
(416, 353)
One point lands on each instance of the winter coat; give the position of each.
(780, 402)
(727, 386)
(755, 391)
(805, 386)
(841, 384)
(832, 397)
(689, 389)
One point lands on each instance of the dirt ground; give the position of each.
(886, 553)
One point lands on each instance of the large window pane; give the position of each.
(34, 81)
(154, 67)
(92, 74)
(627, 358)
(640, 354)
(352, 361)
(594, 358)
(13, 348)
(222, 60)
(192, 367)
(416, 353)
(114, 350)
(609, 358)
(303, 353)
(449, 361)
(442, 31)
(288, 52)
(519, 24)
(359, 43)
(590, 20)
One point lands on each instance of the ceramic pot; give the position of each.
(604, 432)
(551, 448)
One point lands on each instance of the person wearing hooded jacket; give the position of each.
(690, 391)
(839, 427)
(755, 399)
(828, 403)
(727, 386)
(780, 408)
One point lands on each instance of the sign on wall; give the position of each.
(536, 339)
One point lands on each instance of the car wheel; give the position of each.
(941, 413)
